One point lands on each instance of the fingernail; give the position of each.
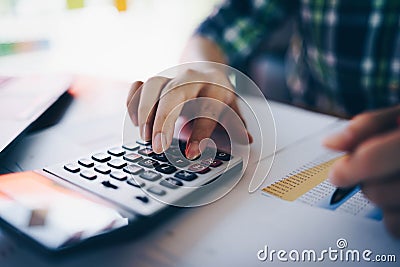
(160, 143)
(157, 143)
(142, 133)
(192, 150)
(164, 141)
(146, 132)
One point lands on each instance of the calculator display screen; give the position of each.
(52, 214)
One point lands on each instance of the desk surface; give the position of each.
(227, 232)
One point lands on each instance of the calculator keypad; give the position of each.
(116, 151)
(108, 184)
(119, 175)
(185, 175)
(157, 190)
(148, 152)
(101, 157)
(135, 182)
(85, 162)
(161, 157)
(133, 169)
(150, 175)
(88, 174)
(166, 168)
(102, 169)
(127, 174)
(132, 157)
(199, 168)
(130, 146)
(171, 183)
(148, 163)
(72, 167)
(117, 163)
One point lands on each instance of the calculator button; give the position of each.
(143, 143)
(116, 151)
(130, 146)
(178, 143)
(88, 163)
(171, 183)
(144, 199)
(87, 174)
(135, 183)
(165, 168)
(119, 175)
(179, 162)
(199, 168)
(212, 162)
(156, 190)
(175, 151)
(102, 169)
(150, 175)
(160, 157)
(132, 157)
(146, 152)
(207, 161)
(216, 163)
(108, 184)
(148, 163)
(72, 167)
(132, 169)
(223, 156)
(101, 157)
(117, 163)
(185, 175)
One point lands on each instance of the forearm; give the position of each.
(200, 48)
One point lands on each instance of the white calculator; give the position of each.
(107, 190)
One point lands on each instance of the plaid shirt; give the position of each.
(344, 56)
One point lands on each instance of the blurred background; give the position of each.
(118, 39)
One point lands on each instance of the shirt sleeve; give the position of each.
(238, 26)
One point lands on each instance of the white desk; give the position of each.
(228, 232)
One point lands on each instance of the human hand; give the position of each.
(372, 141)
(155, 106)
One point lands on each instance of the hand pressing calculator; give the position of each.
(81, 199)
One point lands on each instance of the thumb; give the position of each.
(363, 127)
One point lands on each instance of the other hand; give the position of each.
(372, 141)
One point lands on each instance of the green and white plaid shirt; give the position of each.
(344, 56)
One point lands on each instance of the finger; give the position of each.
(148, 104)
(173, 97)
(385, 194)
(373, 159)
(363, 127)
(392, 222)
(202, 129)
(237, 128)
(213, 100)
(132, 102)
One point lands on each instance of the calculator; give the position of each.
(141, 181)
(125, 185)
